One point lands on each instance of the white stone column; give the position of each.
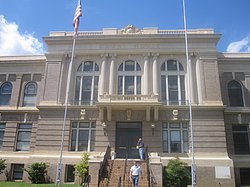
(155, 74)
(112, 75)
(102, 75)
(145, 72)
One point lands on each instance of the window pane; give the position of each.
(18, 171)
(163, 88)
(88, 66)
(235, 94)
(172, 65)
(23, 137)
(175, 138)
(77, 90)
(70, 173)
(173, 89)
(129, 66)
(83, 140)
(120, 85)
(5, 93)
(129, 85)
(138, 87)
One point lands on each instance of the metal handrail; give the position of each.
(125, 167)
(105, 159)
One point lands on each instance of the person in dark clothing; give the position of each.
(140, 147)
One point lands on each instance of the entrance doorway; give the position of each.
(127, 135)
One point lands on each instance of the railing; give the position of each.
(83, 102)
(128, 98)
(124, 171)
(105, 159)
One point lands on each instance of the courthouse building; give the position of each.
(125, 84)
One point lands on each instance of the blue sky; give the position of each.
(23, 23)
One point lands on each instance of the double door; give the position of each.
(127, 135)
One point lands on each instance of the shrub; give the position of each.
(2, 165)
(177, 174)
(37, 172)
(82, 167)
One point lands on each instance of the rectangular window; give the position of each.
(69, 173)
(241, 137)
(23, 137)
(2, 129)
(244, 176)
(17, 170)
(82, 136)
(175, 137)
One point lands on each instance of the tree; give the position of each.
(37, 172)
(2, 165)
(81, 169)
(177, 174)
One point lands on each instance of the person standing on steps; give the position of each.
(135, 173)
(140, 147)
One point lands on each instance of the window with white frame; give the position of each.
(129, 78)
(2, 129)
(23, 137)
(83, 136)
(86, 90)
(175, 137)
(5, 93)
(241, 138)
(30, 92)
(235, 94)
(173, 83)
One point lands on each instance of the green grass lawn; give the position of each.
(23, 184)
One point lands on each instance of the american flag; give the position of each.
(78, 14)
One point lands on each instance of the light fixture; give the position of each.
(104, 128)
(153, 128)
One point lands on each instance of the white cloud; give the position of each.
(242, 46)
(12, 42)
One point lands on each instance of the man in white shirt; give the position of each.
(135, 172)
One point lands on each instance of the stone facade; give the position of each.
(120, 98)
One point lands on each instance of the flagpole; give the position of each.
(59, 167)
(193, 167)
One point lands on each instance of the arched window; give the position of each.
(5, 93)
(86, 90)
(129, 78)
(30, 93)
(235, 93)
(173, 83)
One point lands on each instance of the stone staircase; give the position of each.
(114, 171)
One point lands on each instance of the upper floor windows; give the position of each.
(173, 83)
(5, 93)
(235, 94)
(30, 93)
(86, 90)
(129, 78)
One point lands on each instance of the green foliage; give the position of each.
(37, 172)
(177, 174)
(2, 165)
(82, 167)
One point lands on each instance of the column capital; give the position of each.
(155, 55)
(146, 55)
(104, 55)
